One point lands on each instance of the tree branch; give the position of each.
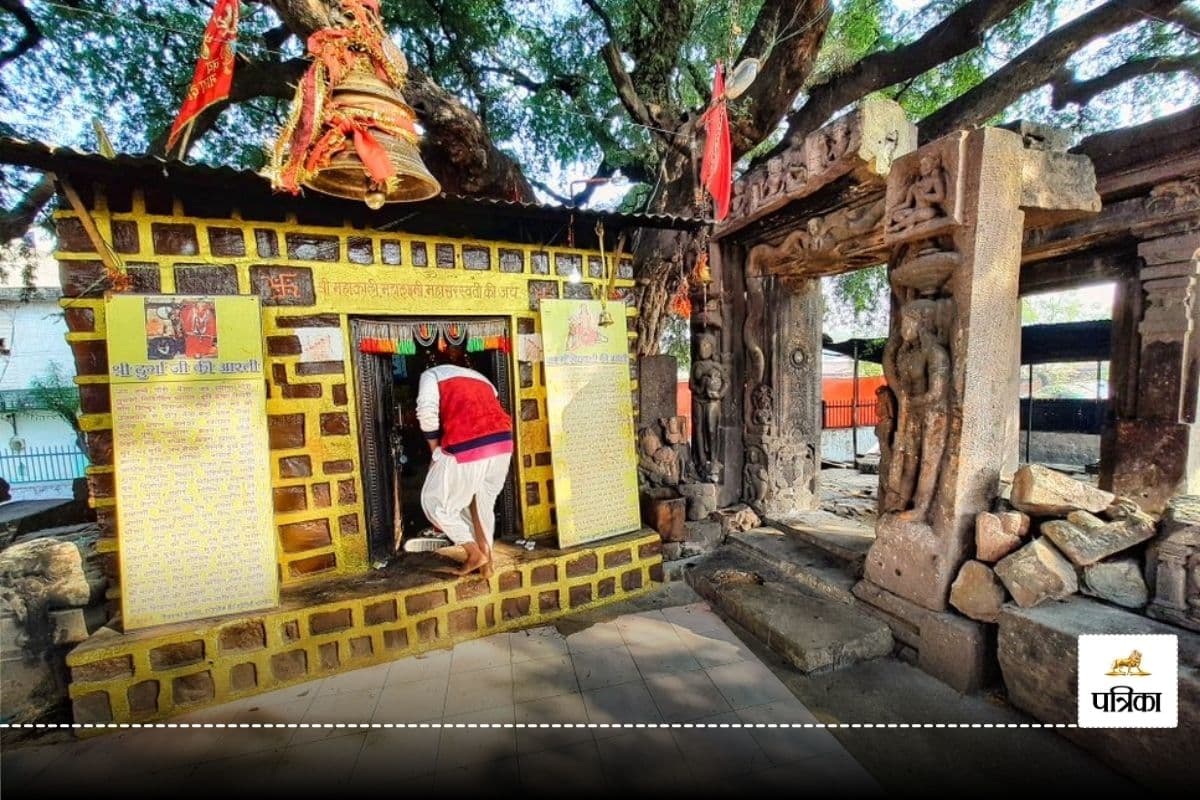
(250, 80)
(33, 33)
(14, 223)
(1064, 89)
(956, 34)
(626, 92)
(1037, 64)
(791, 34)
(569, 85)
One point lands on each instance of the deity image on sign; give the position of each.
(583, 331)
(924, 199)
(178, 329)
(917, 368)
(709, 387)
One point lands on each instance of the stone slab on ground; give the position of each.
(1041, 491)
(810, 567)
(814, 634)
(965, 762)
(1038, 650)
(958, 651)
(846, 539)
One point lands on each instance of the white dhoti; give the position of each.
(451, 485)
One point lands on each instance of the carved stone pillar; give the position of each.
(782, 397)
(1153, 447)
(952, 362)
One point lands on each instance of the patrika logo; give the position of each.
(1128, 681)
(1131, 665)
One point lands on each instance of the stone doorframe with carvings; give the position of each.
(813, 210)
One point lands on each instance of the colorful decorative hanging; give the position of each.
(402, 338)
(350, 132)
(681, 302)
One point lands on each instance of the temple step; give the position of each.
(815, 634)
(845, 539)
(812, 568)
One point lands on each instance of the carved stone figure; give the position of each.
(658, 464)
(709, 386)
(711, 316)
(737, 204)
(918, 367)
(924, 199)
(885, 428)
(795, 171)
(675, 429)
(1180, 195)
(757, 190)
(762, 412)
(773, 184)
(752, 333)
(1175, 564)
(924, 267)
(836, 142)
(756, 480)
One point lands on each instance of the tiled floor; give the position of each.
(679, 664)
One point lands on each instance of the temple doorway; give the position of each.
(390, 353)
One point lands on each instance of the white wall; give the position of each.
(35, 334)
(837, 443)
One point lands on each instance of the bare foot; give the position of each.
(476, 560)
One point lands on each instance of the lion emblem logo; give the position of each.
(1130, 665)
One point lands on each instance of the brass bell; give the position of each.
(346, 176)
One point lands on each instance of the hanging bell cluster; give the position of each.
(350, 133)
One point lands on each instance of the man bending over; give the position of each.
(470, 435)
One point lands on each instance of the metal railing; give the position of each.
(841, 414)
(42, 464)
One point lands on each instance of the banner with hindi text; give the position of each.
(195, 522)
(590, 410)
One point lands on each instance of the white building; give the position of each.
(39, 453)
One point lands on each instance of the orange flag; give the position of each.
(716, 170)
(214, 67)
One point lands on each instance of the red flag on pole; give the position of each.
(716, 170)
(214, 67)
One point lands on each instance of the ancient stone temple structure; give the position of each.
(965, 224)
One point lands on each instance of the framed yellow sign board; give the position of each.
(193, 478)
(590, 412)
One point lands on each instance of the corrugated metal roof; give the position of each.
(52, 158)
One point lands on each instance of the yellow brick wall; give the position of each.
(153, 674)
(317, 482)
